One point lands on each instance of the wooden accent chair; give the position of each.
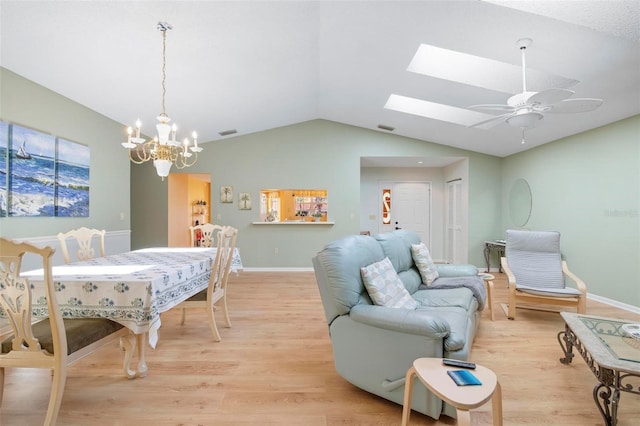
(217, 288)
(83, 237)
(204, 235)
(52, 343)
(536, 272)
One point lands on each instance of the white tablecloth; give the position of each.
(131, 288)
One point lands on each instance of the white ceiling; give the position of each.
(256, 65)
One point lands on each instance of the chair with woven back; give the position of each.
(216, 291)
(204, 235)
(84, 238)
(52, 343)
(536, 273)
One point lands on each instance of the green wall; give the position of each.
(314, 154)
(587, 186)
(28, 104)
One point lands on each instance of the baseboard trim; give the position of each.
(614, 303)
(279, 269)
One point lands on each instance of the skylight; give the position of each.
(436, 111)
(482, 72)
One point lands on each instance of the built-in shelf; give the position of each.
(291, 222)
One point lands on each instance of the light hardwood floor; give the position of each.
(275, 367)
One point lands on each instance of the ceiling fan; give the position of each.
(527, 109)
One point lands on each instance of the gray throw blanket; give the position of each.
(473, 283)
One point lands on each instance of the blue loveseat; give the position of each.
(374, 346)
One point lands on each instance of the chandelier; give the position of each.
(163, 149)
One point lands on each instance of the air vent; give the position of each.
(228, 132)
(385, 127)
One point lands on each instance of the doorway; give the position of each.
(410, 208)
(189, 201)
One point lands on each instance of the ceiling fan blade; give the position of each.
(492, 119)
(549, 96)
(491, 107)
(575, 105)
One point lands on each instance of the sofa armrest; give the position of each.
(407, 321)
(452, 270)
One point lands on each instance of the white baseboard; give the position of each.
(279, 269)
(614, 303)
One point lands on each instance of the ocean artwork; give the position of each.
(72, 179)
(46, 176)
(32, 178)
(4, 144)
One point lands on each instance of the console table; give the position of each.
(490, 246)
(612, 357)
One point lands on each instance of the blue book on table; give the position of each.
(463, 377)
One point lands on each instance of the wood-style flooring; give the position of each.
(275, 367)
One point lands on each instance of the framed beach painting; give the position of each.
(4, 145)
(72, 179)
(32, 166)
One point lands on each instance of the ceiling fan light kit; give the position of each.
(527, 109)
(524, 119)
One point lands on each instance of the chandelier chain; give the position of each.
(164, 67)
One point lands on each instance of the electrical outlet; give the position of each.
(121, 215)
(276, 251)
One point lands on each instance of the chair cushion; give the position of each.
(423, 261)
(451, 297)
(397, 247)
(553, 292)
(199, 297)
(81, 332)
(385, 287)
(535, 259)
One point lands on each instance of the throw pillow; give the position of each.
(425, 264)
(385, 287)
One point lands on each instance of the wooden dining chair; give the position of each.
(83, 237)
(216, 291)
(52, 343)
(204, 235)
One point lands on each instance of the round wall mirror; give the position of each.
(520, 202)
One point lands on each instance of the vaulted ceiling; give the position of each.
(256, 65)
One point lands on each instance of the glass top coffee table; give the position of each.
(612, 356)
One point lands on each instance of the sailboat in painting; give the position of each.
(22, 152)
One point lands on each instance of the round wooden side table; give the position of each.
(433, 374)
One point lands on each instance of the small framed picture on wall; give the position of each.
(226, 194)
(244, 201)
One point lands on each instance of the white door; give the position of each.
(454, 240)
(411, 208)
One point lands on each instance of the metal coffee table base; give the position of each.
(606, 394)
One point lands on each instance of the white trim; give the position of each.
(614, 303)
(278, 269)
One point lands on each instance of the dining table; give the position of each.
(131, 288)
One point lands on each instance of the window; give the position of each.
(287, 205)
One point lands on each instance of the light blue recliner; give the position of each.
(374, 346)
